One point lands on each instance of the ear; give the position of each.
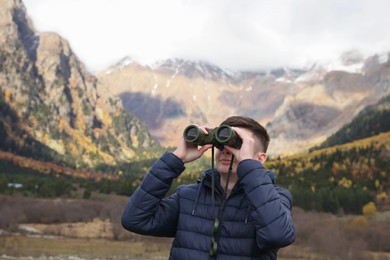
(261, 157)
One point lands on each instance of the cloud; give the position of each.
(232, 34)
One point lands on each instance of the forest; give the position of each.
(343, 178)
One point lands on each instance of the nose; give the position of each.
(224, 151)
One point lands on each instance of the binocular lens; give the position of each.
(224, 134)
(227, 136)
(191, 134)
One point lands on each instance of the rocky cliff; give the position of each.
(48, 97)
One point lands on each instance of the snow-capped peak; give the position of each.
(191, 68)
(125, 62)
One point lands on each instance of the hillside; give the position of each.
(370, 121)
(52, 109)
(348, 170)
(339, 178)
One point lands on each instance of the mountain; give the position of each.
(170, 94)
(371, 121)
(52, 108)
(320, 106)
(300, 107)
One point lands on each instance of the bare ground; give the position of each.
(75, 241)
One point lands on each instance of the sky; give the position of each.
(232, 34)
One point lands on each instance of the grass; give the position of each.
(38, 247)
(148, 248)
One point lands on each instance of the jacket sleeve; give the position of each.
(147, 212)
(272, 206)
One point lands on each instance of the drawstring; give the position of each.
(196, 200)
(247, 214)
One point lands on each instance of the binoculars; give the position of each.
(219, 136)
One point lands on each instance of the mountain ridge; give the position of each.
(301, 107)
(80, 115)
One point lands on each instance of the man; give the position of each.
(244, 215)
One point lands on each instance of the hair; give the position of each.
(245, 122)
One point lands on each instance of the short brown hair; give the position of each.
(246, 122)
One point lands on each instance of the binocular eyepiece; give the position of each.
(219, 136)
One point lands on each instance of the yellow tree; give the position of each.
(369, 209)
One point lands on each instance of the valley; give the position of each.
(74, 145)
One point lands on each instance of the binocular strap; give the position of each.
(224, 195)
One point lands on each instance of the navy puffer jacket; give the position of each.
(255, 223)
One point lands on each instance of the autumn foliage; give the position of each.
(340, 179)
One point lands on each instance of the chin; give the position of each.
(222, 169)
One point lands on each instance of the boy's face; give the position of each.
(223, 157)
(222, 161)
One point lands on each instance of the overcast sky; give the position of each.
(233, 34)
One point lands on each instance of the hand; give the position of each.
(248, 147)
(188, 152)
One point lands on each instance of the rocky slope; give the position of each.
(48, 98)
(320, 106)
(300, 107)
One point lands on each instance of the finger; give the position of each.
(205, 147)
(205, 128)
(243, 133)
(239, 131)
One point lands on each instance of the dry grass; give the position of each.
(40, 247)
(78, 248)
(96, 228)
(90, 229)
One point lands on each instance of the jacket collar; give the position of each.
(206, 179)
